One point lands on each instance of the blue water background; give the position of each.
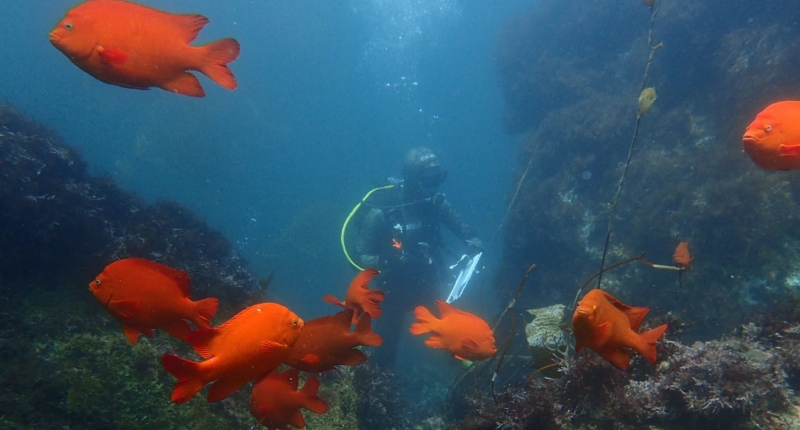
(331, 95)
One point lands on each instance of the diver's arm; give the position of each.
(457, 225)
(369, 239)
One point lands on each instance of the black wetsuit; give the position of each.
(404, 242)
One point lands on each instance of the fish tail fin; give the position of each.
(327, 298)
(365, 334)
(313, 402)
(216, 56)
(372, 304)
(188, 374)
(648, 343)
(424, 318)
(205, 310)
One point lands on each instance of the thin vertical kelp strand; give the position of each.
(613, 206)
(513, 327)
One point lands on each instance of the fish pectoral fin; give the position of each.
(310, 359)
(603, 333)
(186, 84)
(469, 345)
(789, 150)
(113, 56)
(269, 347)
(125, 308)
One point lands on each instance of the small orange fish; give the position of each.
(133, 46)
(276, 402)
(360, 297)
(607, 326)
(772, 140)
(327, 342)
(681, 257)
(465, 335)
(144, 295)
(252, 343)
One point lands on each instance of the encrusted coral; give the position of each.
(712, 385)
(379, 404)
(545, 334)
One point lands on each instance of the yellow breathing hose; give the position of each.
(347, 221)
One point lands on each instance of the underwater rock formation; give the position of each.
(727, 384)
(65, 362)
(575, 97)
(57, 219)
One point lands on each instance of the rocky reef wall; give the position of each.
(571, 74)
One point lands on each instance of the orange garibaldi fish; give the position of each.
(465, 335)
(327, 342)
(134, 46)
(276, 402)
(607, 326)
(772, 140)
(144, 295)
(252, 343)
(682, 257)
(360, 297)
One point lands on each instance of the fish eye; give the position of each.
(294, 322)
(69, 26)
(97, 281)
(768, 128)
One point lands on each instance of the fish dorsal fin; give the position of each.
(202, 341)
(241, 318)
(125, 308)
(343, 319)
(327, 298)
(603, 333)
(292, 376)
(189, 25)
(179, 276)
(361, 281)
(613, 300)
(445, 308)
(636, 316)
(364, 332)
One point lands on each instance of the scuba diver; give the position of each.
(400, 236)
